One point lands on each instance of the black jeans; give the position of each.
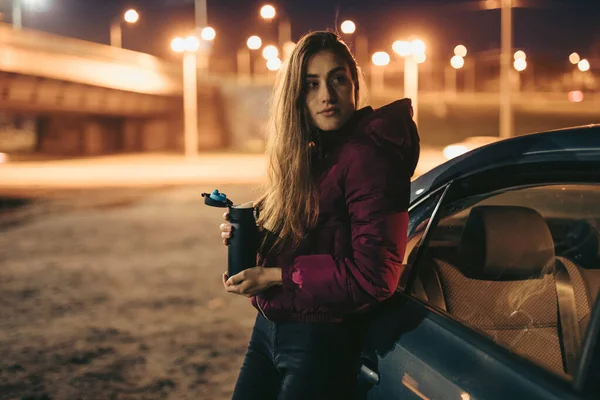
(304, 361)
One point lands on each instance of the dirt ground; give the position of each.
(116, 294)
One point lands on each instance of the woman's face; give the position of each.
(329, 91)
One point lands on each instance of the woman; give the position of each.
(334, 214)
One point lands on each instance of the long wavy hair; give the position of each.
(289, 205)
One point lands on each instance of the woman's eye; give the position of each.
(340, 79)
(312, 84)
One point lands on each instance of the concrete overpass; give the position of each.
(91, 98)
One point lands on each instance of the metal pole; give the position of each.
(506, 115)
(284, 31)
(411, 84)
(243, 64)
(201, 17)
(115, 33)
(362, 49)
(17, 14)
(377, 79)
(450, 81)
(190, 104)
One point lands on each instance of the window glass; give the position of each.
(495, 261)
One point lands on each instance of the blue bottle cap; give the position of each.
(216, 199)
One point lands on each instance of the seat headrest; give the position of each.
(505, 243)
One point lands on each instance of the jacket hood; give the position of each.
(392, 127)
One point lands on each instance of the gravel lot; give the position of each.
(116, 294)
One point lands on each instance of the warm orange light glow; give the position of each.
(380, 58)
(178, 45)
(584, 65)
(402, 48)
(273, 64)
(348, 27)
(267, 11)
(457, 62)
(574, 58)
(520, 55)
(520, 64)
(131, 16)
(576, 96)
(460, 51)
(254, 43)
(208, 34)
(418, 46)
(270, 51)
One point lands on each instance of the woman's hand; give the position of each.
(252, 281)
(225, 229)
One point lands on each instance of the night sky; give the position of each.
(551, 27)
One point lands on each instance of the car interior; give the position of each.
(526, 280)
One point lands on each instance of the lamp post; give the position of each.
(244, 58)
(520, 64)
(189, 47)
(413, 53)
(380, 59)
(506, 112)
(456, 62)
(284, 27)
(361, 46)
(116, 34)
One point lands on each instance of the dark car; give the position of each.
(503, 272)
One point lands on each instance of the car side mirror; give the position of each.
(587, 376)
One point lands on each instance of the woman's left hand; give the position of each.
(252, 281)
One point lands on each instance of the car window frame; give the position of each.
(519, 176)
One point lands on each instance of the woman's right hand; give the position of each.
(225, 229)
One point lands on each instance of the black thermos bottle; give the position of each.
(243, 244)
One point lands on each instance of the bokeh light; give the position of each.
(131, 16)
(583, 65)
(457, 62)
(270, 51)
(520, 64)
(273, 64)
(460, 51)
(348, 27)
(254, 42)
(267, 11)
(574, 58)
(380, 58)
(208, 34)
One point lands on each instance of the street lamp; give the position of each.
(380, 59)
(244, 57)
(273, 63)
(208, 34)
(414, 53)
(360, 47)
(270, 51)
(267, 11)
(520, 64)
(284, 28)
(348, 27)
(574, 58)
(254, 43)
(116, 36)
(456, 63)
(583, 65)
(460, 51)
(189, 46)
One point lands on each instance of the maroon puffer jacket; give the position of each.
(353, 258)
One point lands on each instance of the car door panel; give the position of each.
(433, 357)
